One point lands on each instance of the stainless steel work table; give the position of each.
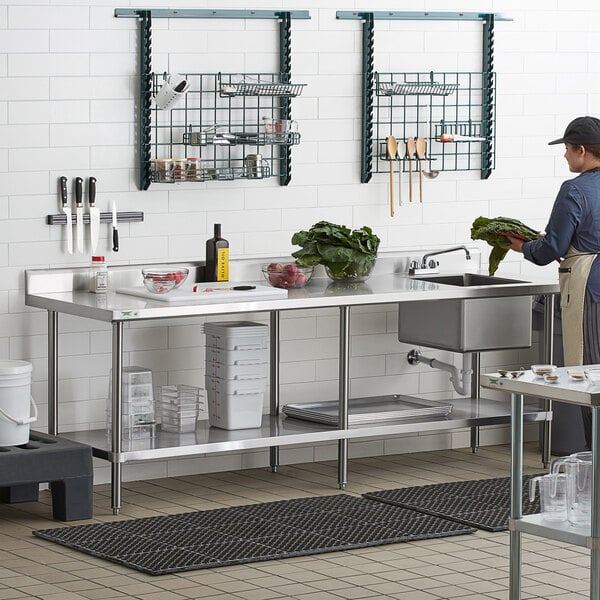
(574, 392)
(57, 291)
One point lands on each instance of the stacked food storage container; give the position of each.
(137, 404)
(179, 407)
(236, 373)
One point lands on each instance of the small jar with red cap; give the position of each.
(98, 276)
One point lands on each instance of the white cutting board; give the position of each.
(262, 292)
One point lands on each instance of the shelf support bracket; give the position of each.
(144, 132)
(487, 147)
(367, 97)
(285, 70)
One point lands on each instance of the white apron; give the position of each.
(573, 274)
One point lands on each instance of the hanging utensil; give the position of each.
(62, 186)
(392, 150)
(400, 155)
(115, 227)
(410, 153)
(94, 214)
(79, 213)
(421, 148)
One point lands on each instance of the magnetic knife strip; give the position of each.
(105, 217)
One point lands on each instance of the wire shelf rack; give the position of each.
(429, 105)
(251, 86)
(221, 129)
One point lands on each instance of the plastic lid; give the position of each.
(15, 367)
(97, 258)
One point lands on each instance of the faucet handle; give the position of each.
(433, 264)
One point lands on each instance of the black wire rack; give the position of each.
(220, 125)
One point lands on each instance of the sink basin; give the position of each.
(470, 324)
(468, 279)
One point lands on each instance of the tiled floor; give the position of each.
(470, 567)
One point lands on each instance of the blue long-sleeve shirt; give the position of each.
(574, 221)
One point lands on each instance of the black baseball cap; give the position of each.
(581, 131)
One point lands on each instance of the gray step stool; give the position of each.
(65, 465)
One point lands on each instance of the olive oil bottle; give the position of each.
(217, 257)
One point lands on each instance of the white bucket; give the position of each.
(15, 395)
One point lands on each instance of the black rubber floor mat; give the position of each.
(481, 503)
(242, 534)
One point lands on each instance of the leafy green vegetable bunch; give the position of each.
(347, 253)
(492, 230)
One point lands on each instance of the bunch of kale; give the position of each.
(493, 232)
(346, 252)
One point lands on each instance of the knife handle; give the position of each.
(115, 239)
(62, 186)
(92, 190)
(78, 191)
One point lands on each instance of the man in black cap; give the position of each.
(573, 235)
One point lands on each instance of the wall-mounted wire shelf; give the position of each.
(223, 173)
(220, 136)
(251, 86)
(221, 130)
(413, 88)
(462, 113)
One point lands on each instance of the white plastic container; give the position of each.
(255, 385)
(235, 411)
(236, 357)
(15, 397)
(251, 370)
(236, 335)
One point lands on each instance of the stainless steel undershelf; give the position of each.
(561, 531)
(281, 431)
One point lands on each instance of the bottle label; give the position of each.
(222, 264)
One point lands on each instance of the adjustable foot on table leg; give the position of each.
(342, 486)
(274, 469)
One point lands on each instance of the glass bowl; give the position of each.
(541, 370)
(350, 272)
(576, 374)
(161, 281)
(287, 275)
(593, 375)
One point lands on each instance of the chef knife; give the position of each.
(94, 214)
(79, 212)
(62, 184)
(115, 227)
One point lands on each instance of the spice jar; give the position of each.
(193, 168)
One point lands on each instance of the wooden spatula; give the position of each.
(392, 150)
(421, 149)
(411, 148)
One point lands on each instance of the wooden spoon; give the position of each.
(392, 150)
(421, 148)
(410, 152)
(400, 154)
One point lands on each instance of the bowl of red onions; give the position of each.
(287, 275)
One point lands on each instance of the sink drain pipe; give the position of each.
(460, 378)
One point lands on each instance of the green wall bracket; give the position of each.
(368, 75)
(145, 16)
(285, 71)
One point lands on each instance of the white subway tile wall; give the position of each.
(67, 107)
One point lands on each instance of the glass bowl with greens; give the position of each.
(347, 254)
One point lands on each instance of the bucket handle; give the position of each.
(26, 421)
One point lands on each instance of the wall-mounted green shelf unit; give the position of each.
(460, 105)
(222, 114)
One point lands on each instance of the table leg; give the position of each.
(548, 358)
(344, 386)
(516, 497)
(116, 444)
(274, 382)
(52, 372)
(595, 552)
(475, 391)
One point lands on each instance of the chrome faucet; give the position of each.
(428, 265)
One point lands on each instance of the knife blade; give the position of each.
(115, 227)
(94, 214)
(62, 186)
(79, 212)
